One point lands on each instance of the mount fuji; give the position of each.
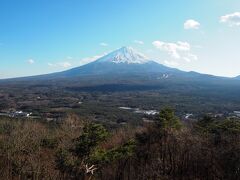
(124, 61)
(125, 55)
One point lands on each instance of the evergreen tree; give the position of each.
(167, 120)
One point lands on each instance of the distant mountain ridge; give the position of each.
(237, 77)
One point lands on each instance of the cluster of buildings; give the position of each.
(234, 114)
(140, 111)
(237, 113)
(15, 114)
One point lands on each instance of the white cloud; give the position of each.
(103, 44)
(178, 52)
(187, 59)
(231, 19)
(138, 42)
(60, 64)
(30, 61)
(65, 64)
(91, 59)
(171, 63)
(191, 24)
(192, 56)
(173, 49)
(149, 51)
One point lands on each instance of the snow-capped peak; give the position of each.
(125, 55)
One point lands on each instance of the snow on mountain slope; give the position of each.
(125, 55)
(119, 62)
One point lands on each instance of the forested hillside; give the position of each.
(77, 149)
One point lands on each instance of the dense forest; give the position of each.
(164, 149)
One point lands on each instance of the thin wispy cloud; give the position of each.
(103, 44)
(138, 42)
(30, 61)
(69, 57)
(171, 63)
(65, 64)
(191, 24)
(91, 59)
(231, 19)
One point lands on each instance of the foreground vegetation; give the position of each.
(77, 149)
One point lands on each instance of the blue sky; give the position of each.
(44, 36)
